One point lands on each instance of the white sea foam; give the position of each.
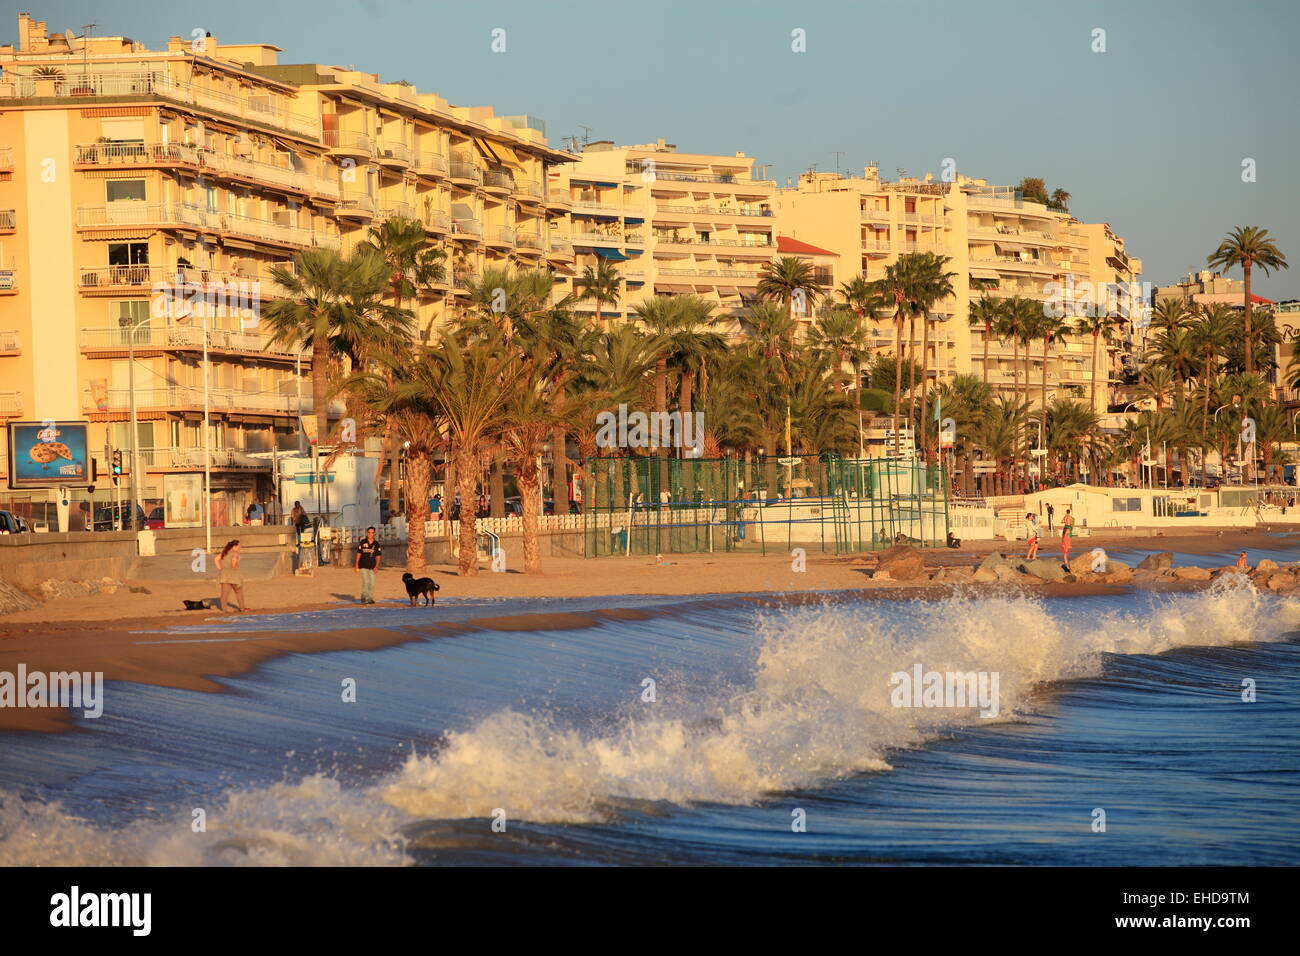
(817, 707)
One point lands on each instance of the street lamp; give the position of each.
(131, 328)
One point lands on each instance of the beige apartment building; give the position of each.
(997, 243)
(135, 183)
(674, 223)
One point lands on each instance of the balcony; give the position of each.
(713, 211)
(674, 176)
(876, 245)
(528, 192)
(356, 207)
(347, 145)
(266, 108)
(498, 181)
(501, 236)
(557, 198)
(602, 239)
(190, 398)
(530, 242)
(8, 220)
(466, 228)
(193, 459)
(10, 343)
(397, 211)
(6, 158)
(581, 206)
(464, 172)
(875, 215)
(179, 338)
(431, 164)
(186, 215)
(395, 154)
(8, 282)
(435, 220)
(11, 404)
(561, 249)
(1012, 264)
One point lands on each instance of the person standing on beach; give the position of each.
(1242, 563)
(369, 555)
(229, 576)
(1067, 532)
(1031, 520)
(1050, 512)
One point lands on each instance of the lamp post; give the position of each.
(131, 328)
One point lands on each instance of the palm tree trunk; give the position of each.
(1092, 394)
(911, 384)
(898, 378)
(1250, 351)
(988, 334)
(529, 479)
(418, 474)
(497, 488)
(319, 386)
(684, 403)
(559, 468)
(466, 480)
(923, 422)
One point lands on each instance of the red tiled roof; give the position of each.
(1260, 299)
(786, 244)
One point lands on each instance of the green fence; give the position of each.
(648, 506)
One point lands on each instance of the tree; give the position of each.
(788, 278)
(1101, 327)
(986, 312)
(599, 285)
(1211, 333)
(1060, 199)
(332, 306)
(1034, 189)
(1249, 247)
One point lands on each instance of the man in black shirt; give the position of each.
(368, 557)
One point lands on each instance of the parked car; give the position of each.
(115, 518)
(11, 523)
(156, 520)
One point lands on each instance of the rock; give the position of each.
(1046, 569)
(1118, 576)
(957, 575)
(1265, 564)
(984, 575)
(1281, 581)
(881, 576)
(902, 562)
(1005, 572)
(1192, 574)
(1157, 562)
(994, 560)
(13, 600)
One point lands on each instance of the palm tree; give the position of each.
(1155, 383)
(986, 311)
(1101, 327)
(600, 285)
(1048, 327)
(1169, 315)
(1251, 248)
(470, 378)
(1211, 333)
(1272, 429)
(332, 306)
(1060, 199)
(1178, 351)
(788, 278)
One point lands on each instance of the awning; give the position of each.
(728, 290)
(487, 150)
(665, 287)
(983, 274)
(1010, 246)
(613, 254)
(575, 180)
(704, 287)
(634, 219)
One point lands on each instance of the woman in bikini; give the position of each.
(1067, 532)
(229, 576)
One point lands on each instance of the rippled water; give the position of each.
(761, 716)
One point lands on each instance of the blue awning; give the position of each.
(611, 254)
(632, 219)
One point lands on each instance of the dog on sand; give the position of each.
(417, 587)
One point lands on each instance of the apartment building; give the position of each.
(675, 223)
(997, 244)
(145, 195)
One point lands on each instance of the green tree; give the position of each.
(1251, 248)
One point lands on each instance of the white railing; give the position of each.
(599, 238)
(344, 140)
(180, 337)
(469, 227)
(8, 280)
(191, 396)
(395, 150)
(528, 240)
(465, 169)
(876, 245)
(134, 154)
(193, 458)
(432, 160)
(397, 211)
(561, 247)
(876, 215)
(504, 234)
(11, 404)
(357, 206)
(9, 341)
(6, 156)
(437, 219)
(599, 208)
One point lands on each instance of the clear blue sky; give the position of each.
(1148, 136)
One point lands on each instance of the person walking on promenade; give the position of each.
(229, 576)
(369, 555)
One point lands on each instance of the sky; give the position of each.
(1148, 134)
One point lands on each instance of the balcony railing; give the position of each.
(185, 214)
(529, 240)
(680, 177)
(698, 241)
(876, 245)
(8, 281)
(597, 208)
(191, 397)
(468, 227)
(436, 162)
(194, 458)
(395, 151)
(714, 211)
(742, 275)
(135, 154)
(180, 338)
(10, 344)
(266, 108)
(465, 169)
(596, 238)
(437, 219)
(8, 219)
(11, 404)
(497, 179)
(6, 154)
(529, 189)
(397, 211)
(502, 234)
(346, 141)
(561, 247)
(876, 215)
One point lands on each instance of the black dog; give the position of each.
(420, 586)
(196, 605)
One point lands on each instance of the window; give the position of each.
(1126, 504)
(125, 316)
(128, 253)
(125, 190)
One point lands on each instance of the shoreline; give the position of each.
(187, 650)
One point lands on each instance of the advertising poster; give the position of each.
(183, 501)
(48, 454)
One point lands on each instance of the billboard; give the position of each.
(48, 454)
(183, 500)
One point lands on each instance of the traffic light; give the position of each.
(117, 466)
